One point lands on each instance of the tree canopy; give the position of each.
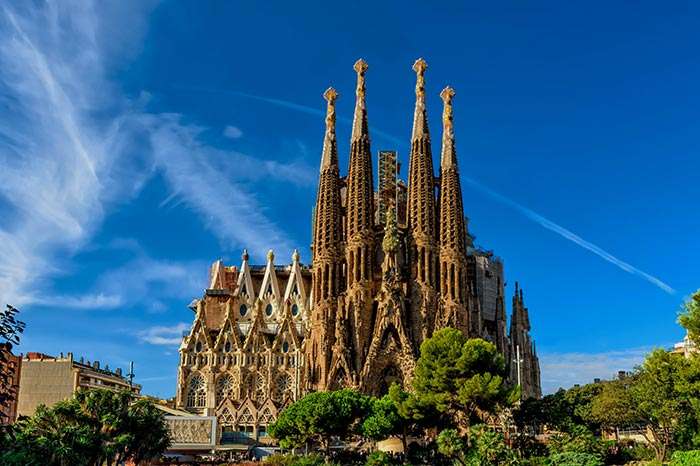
(95, 427)
(319, 416)
(461, 377)
(690, 317)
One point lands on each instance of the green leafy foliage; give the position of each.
(94, 428)
(319, 416)
(690, 317)
(380, 458)
(574, 459)
(10, 330)
(462, 378)
(578, 440)
(614, 406)
(487, 447)
(685, 458)
(298, 460)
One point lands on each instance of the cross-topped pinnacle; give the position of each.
(360, 66)
(329, 157)
(419, 67)
(330, 95)
(447, 94)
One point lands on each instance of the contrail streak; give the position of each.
(528, 213)
(295, 106)
(571, 236)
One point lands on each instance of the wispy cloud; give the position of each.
(72, 145)
(164, 335)
(84, 301)
(314, 111)
(233, 132)
(569, 235)
(563, 370)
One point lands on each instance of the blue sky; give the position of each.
(140, 141)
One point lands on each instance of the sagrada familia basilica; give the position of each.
(389, 267)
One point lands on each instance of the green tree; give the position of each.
(578, 440)
(398, 413)
(10, 330)
(658, 401)
(614, 407)
(462, 378)
(487, 448)
(690, 317)
(96, 427)
(319, 416)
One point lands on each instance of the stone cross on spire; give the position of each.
(448, 158)
(329, 156)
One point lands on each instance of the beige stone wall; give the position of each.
(44, 382)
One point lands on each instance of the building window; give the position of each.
(243, 310)
(295, 310)
(196, 392)
(285, 347)
(225, 388)
(198, 347)
(283, 385)
(268, 310)
(227, 347)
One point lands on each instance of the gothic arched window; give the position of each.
(268, 310)
(196, 392)
(283, 385)
(295, 310)
(225, 388)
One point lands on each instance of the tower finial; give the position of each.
(419, 67)
(295, 256)
(329, 156)
(270, 255)
(245, 255)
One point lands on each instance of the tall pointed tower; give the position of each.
(327, 256)
(525, 368)
(454, 295)
(360, 249)
(421, 218)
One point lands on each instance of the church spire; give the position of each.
(421, 214)
(453, 247)
(359, 249)
(327, 225)
(327, 263)
(329, 156)
(360, 202)
(420, 117)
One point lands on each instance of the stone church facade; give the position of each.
(389, 267)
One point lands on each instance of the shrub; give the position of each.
(574, 459)
(380, 458)
(685, 458)
(297, 460)
(578, 440)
